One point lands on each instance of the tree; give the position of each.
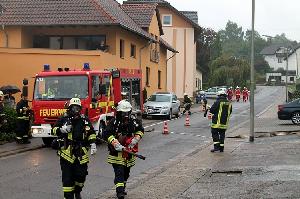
(208, 47)
(232, 39)
(230, 71)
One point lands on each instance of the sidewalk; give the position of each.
(13, 148)
(267, 168)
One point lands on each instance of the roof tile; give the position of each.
(141, 13)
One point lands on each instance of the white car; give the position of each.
(213, 91)
(162, 104)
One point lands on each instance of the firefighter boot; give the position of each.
(216, 148)
(120, 195)
(78, 195)
(25, 140)
(221, 148)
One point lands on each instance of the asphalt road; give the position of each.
(36, 174)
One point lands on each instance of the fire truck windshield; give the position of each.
(61, 87)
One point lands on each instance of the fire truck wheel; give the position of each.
(48, 141)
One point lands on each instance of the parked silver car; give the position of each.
(162, 104)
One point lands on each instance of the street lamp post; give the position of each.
(286, 75)
(251, 137)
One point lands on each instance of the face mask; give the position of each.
(75, 110)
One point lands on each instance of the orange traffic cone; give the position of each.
(165, 130)
(187, 121)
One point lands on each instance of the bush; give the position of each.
(7, 129)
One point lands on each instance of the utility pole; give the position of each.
(252, 81)
(286, 75)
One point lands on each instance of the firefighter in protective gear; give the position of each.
(245, 94)
(78, 135)
(187, 102)
(237, 94)
(123, 131)
(221, 111)
(23, 123)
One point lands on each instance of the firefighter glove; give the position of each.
(119, 147)
(93, 149)
(65, 129)
(133, 142)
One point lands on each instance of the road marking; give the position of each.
(266, 109)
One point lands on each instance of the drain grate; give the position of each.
(238, 136)
(227, 172)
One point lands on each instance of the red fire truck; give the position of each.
(99, 92)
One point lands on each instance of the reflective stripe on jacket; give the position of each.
(114, 156)
(221, 111)
(88, 136)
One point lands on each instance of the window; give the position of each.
(41, 42)
(167, 20)
(95, 86)
(85, 42)
(132, 50)
(196, 82)
(174, 98)
(122, 43)
(61, 87)
(159, 79)
(147, 76)
(292, 79)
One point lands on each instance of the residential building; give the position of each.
(270, 54)
(275, 56)
(71, 33)
(180, 30)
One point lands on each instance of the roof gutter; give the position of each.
(4, 30)
(174, 53)
(5, 36)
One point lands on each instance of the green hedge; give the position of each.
(7, 130)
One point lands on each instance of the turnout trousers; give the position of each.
(218, 136)
(22, 129)
(73, 177)
(121, 176)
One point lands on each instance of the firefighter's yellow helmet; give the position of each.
(75, 101)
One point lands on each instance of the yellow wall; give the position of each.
(154, 28)
(20, 60)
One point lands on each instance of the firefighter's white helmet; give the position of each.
(221, 92)
(1, 94)
(237, 87)
(75, 101)
(124, 106)
(185, 94)
(202, 92)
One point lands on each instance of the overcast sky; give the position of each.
(272, 16)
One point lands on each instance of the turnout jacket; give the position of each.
(75, 144)
(115, 130)
(221, 111)
(22, 110)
